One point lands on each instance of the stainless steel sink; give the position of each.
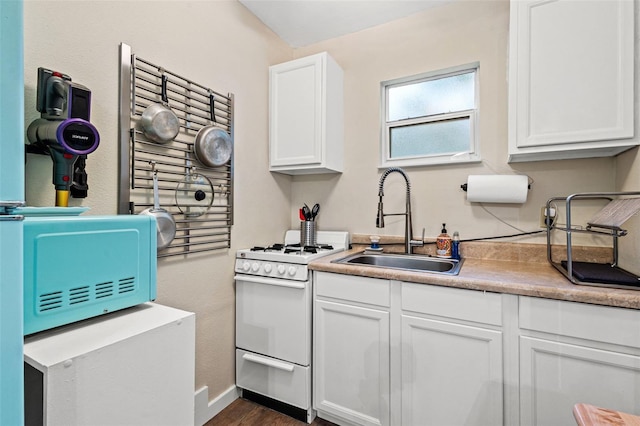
(405, 262)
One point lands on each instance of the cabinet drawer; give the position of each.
(357, 289)
(600, 323)
(470, 305)
(274, 378)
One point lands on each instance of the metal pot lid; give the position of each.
(194, 195)
(213, 146)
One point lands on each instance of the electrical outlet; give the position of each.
(543, 216)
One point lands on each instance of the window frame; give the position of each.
(470, 156)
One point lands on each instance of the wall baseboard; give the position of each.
(205, 410)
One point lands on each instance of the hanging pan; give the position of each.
(194, 195)
(165, 224)
(212, 146)
(158, 122)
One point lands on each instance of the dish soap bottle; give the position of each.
(455, 246)
(443, 243)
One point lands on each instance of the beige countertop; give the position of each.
(532, 277)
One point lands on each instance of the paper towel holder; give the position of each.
(464, 187)
(496, 188)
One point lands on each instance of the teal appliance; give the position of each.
(81, 267)
(11, 196)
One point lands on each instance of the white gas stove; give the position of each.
(273, 321)
(288, 260)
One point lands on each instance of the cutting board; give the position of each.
(590, 415)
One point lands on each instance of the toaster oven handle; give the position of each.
(280, 365)
(271, 281)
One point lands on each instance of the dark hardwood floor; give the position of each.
(248, 413)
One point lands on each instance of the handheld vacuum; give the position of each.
(63, 131)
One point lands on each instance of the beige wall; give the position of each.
(438, 38)
(217, 44)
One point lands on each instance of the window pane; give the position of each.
(438, 137)
(443, 95)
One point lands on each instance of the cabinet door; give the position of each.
(571, 76)
(296, 105)
(555, 376)
(451, 374)
(351, 363)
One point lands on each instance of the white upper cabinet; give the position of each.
(571, 79)
(306, 116)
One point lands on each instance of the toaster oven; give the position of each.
(81, 267)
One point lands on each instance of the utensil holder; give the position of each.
(308, 233)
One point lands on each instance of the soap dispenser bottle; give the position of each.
(443, 243)
(455, 246)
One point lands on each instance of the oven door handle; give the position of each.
(280, 365)
(271, 281)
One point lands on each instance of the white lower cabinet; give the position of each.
(451, 344)
(576, 353)
(398, 353)
(406, 354)
(351, 352)
(451, 373)
(352, 363)
(555, 376)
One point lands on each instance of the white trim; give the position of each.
(460, 158)
(431, 75)
(205, 410)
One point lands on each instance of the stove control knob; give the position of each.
(267, 268)
(246, 266)
(292, 270)
(281, 269)
(255, 267)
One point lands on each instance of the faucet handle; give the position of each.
(420, 242)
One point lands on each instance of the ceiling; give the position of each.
(303, 22)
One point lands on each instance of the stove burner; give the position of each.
(297, 249)
(274, 247)
(293, 248)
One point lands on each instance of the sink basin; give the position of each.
(405, 262)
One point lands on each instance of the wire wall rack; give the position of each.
(203, 222)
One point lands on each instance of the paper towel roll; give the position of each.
(497, 188)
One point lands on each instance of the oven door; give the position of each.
(273, 318)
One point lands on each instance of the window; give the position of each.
(430, 118)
